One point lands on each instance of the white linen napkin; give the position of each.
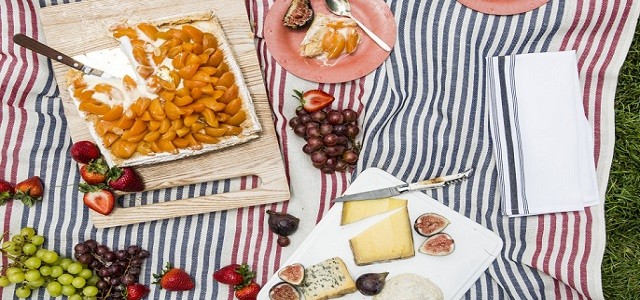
(543, 143)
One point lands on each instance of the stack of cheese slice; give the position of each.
(389, 239)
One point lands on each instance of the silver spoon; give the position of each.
(343, 8)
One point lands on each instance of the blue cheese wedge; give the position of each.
(328, 279)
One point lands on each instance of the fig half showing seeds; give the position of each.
(284, 291)
(429, 224)
(298, 14)
(440, 244)
(293, 274)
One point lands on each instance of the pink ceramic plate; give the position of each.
(503, 7)
(284, 42)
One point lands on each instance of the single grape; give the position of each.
(315, 143)
(295, 121)
(318, 157)
(134, 270)
(283, 241)
(104, 272)
(349, 115)
(13, 248)
(85, 273)
(37, 240)
(12, 270)
(300, 111)
(56, 271)
(4, 281)
(16, 277)
(334, 117)
(93, 280)
(75, 297)
(136, 262)
(95, 264)
(28, 232)
(54, 288)
(307, 149)
(128, 279)
(327, 169)
(23, 292)
(143, 254)
(341, 165)
(330, 139)
(68, 290)
(81, 248)
(134, 250)
(29, 249)
(37, 283)
(305, 119)
(51, 257)
(311, 125)
(350, 156)
(101, 249)
(32, 275)
(300, 130)
(114, 281)
(331, 162)
(90, 291)
(318, 116)
(46, 270)
(33, 263)
(340, 129)
(78, 282)
(40, 253)
(342, 140)
(6, 245)
(18, 239)
(334, 151)
(65, 263)
(65, 279)
(74, 268)
(313, 132)
(124, 263)
(92, 244)
(102, 284)
(109, 256)
(326, 128)
(115, 269)
(86, 259)
(352, 131)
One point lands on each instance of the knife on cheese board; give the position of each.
(428, 184)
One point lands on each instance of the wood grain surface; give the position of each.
(81, 27)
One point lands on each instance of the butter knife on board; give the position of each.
(406, 187)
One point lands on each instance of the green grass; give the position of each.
(621, 264)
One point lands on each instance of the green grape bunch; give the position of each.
(32, 266)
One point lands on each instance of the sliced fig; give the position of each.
(429, 224)
(439, 245)
(284, 291)
(293, 274)
(298, 14)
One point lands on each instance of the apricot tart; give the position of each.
(330, 38)
(179, 93)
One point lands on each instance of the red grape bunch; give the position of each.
(330, 133)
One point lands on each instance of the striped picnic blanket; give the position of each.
(423, 114)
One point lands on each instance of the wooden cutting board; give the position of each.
(81, 27)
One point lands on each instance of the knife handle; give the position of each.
(47, 51)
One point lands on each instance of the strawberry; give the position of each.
(29, 191)
(84, 152)
(124, 179)
(136, 291)
(95, 172)
(248, 292)
(98, 198)
(6, 191)
(173, 279)
(313, 100)
(234, 274)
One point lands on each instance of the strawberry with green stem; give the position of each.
(29, 191)
(7, 190)
(173, 279)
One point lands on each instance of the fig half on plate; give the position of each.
(299, 14)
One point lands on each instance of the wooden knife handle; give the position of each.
(47, 51)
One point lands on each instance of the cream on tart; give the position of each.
(179, 93)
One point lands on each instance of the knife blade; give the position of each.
(406, 187)
(56, 55)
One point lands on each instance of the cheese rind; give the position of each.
(328, 279)
(354, 211)
(389, 239)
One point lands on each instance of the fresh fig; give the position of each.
(293, 274)
(439, 245)
(429, 224)
(298, 14)
(284, 291)
(370, 284)
(282, 224)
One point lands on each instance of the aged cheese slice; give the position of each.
(389, 239)
(354, 211)
(328, 279)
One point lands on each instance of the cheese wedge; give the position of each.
(328, 279)
(389, 239)
(354, 211)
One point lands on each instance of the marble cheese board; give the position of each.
(476, 246)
